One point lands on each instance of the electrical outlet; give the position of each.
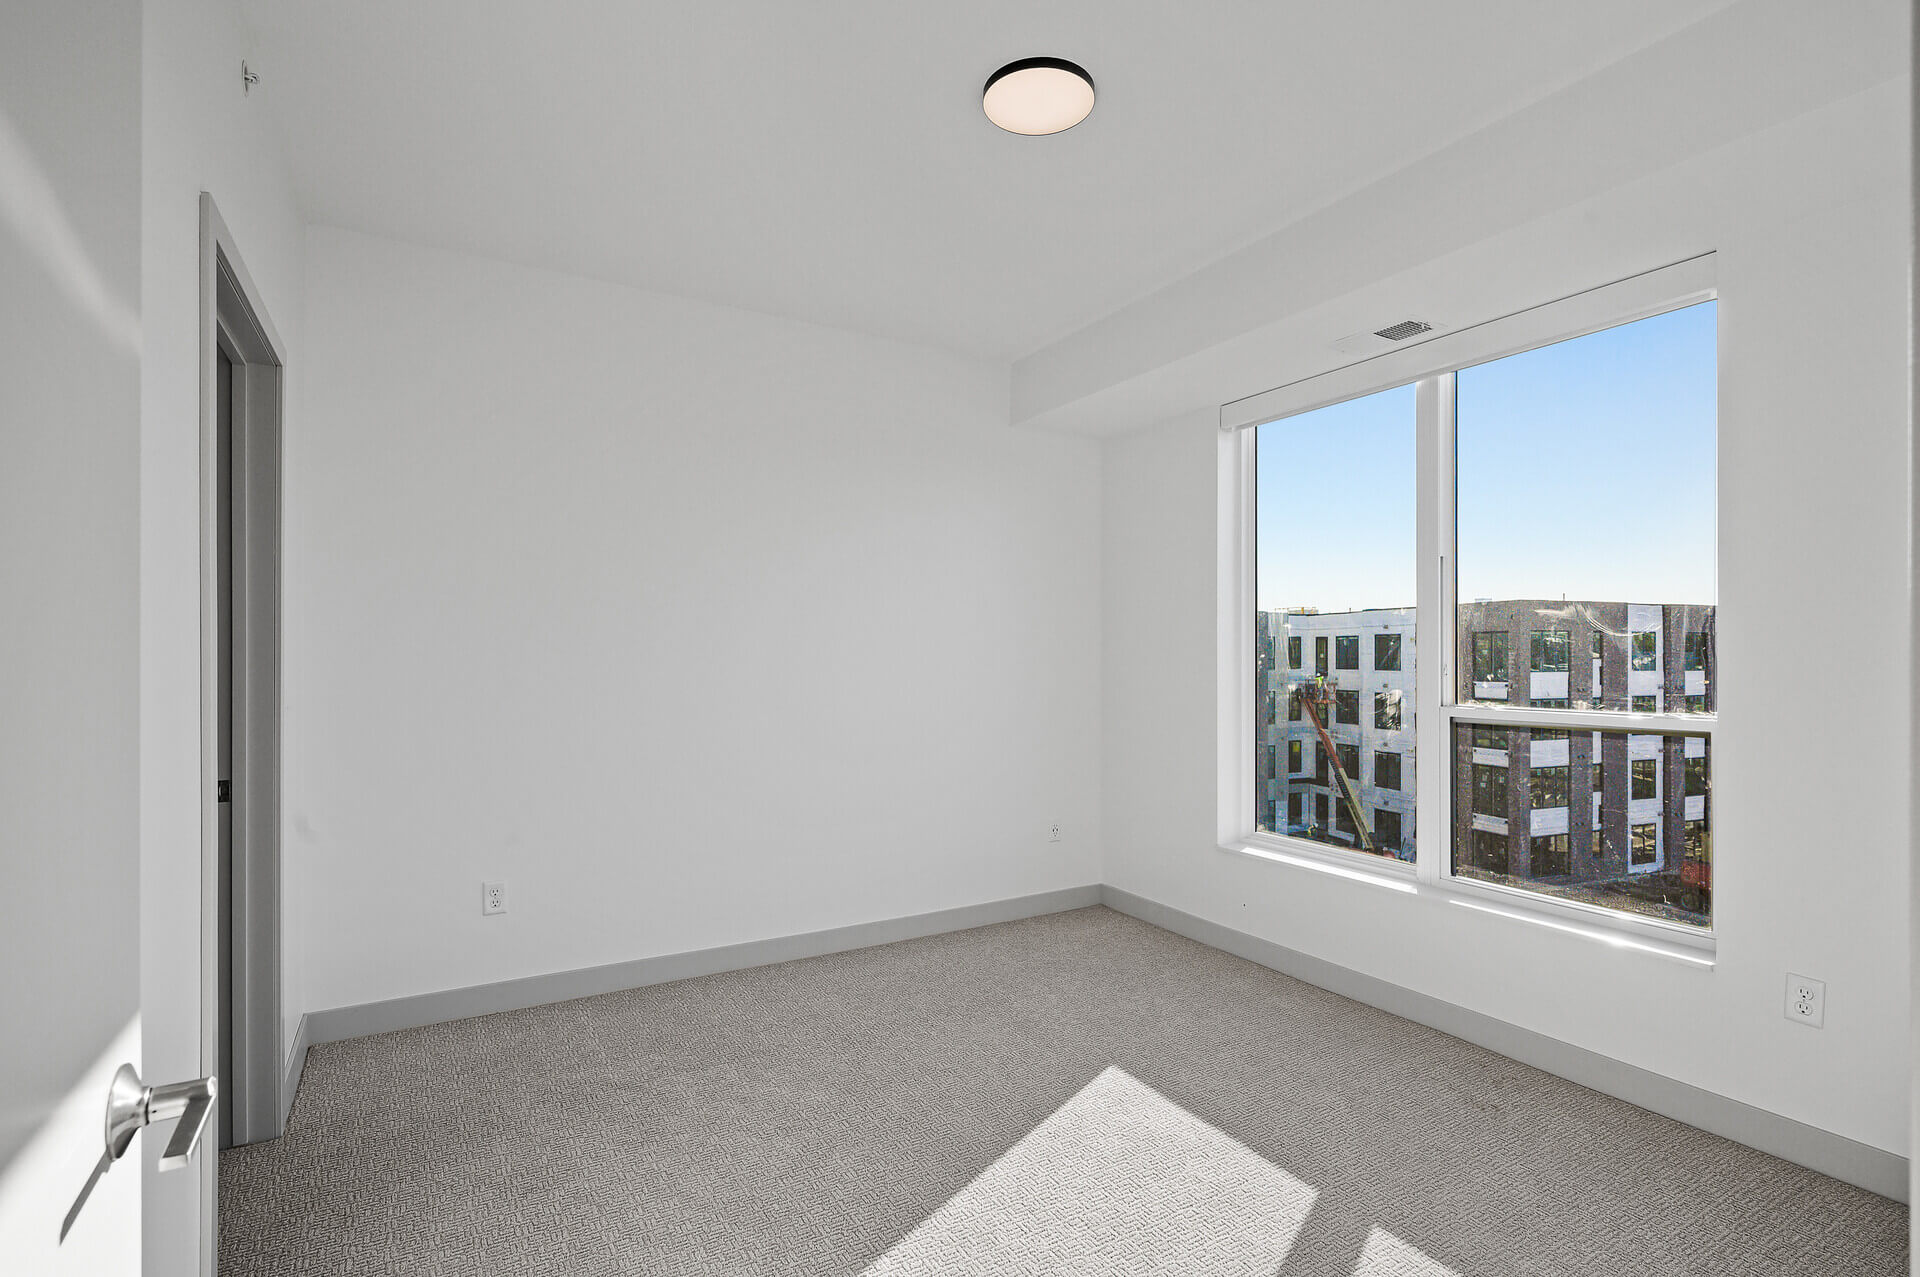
(493, 897)
(1806, 1001)
(1053, 832)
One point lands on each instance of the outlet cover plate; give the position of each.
(1806, 1001)
(493, 897)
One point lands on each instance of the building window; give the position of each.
(1548, 786)
(1346, 706)
(1550, 649)
(1293, 707)
(1343, 820)
(1646, 704)
(1320, 776)
(1646, 844)
(1273, 763)
(1550, 702)
(1386, 770)
(1320, 654)
(1350, 761)
(1293, 758)
(1599, 770)
(1549, 856)
(1696, 650)
(1696, 704)
(1293, 651)
(1646, 777)
(1485, 737)
(1293, 809)
(1346, 652)
(1490, 851)
(1386, 651)
(1646, 650)
(1273, 707)
(1489, 789)
(1320, 812)
(1386, 711)
(1697, 777)
(1386, 829)
(1490, 657)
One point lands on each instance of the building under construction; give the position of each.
(1553, 808)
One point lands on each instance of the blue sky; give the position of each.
(1585, 469)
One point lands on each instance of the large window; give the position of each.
(1564, 499)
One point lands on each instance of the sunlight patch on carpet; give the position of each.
(1387, 1256)
(1119, 1179)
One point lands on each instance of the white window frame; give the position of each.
(1430, 366)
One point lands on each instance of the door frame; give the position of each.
(233, 316)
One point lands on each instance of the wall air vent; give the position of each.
(1404, 329)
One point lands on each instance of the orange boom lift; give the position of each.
(1317, 696)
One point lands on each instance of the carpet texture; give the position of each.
(1078, 1093)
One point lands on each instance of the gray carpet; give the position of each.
(1080, 1093)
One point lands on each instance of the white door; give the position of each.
(70, 996)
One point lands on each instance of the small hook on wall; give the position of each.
(248, 78)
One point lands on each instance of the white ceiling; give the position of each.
(828, 160)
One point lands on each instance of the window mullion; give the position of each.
(1432, 635)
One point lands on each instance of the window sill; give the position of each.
(1380, 871)
(1617, 931)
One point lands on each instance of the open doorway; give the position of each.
(241, 371)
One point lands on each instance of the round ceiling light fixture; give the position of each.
(1036, 96)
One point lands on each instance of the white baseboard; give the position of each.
(1874, 1169)
(512, 995)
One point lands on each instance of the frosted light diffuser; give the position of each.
(1036, 96)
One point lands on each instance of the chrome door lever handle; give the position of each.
(131, 1104)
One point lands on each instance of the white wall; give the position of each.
(200, 132)
(694, 625)
(1811, 778)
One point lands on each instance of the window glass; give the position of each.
(1386, 771)
(1582, 425)
(1646, 844)
(1549, 787)
(1550, 651)
(1490, 656)
(1646, 777)
(1490, 852)
(1293, 757)
(1386, 828)
(1646, 651)
(1386, 651)
(1293, 652)
(1346, 652)
(1346, 706)
(1626, 851)
(1386, 711)
(1489, 789)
